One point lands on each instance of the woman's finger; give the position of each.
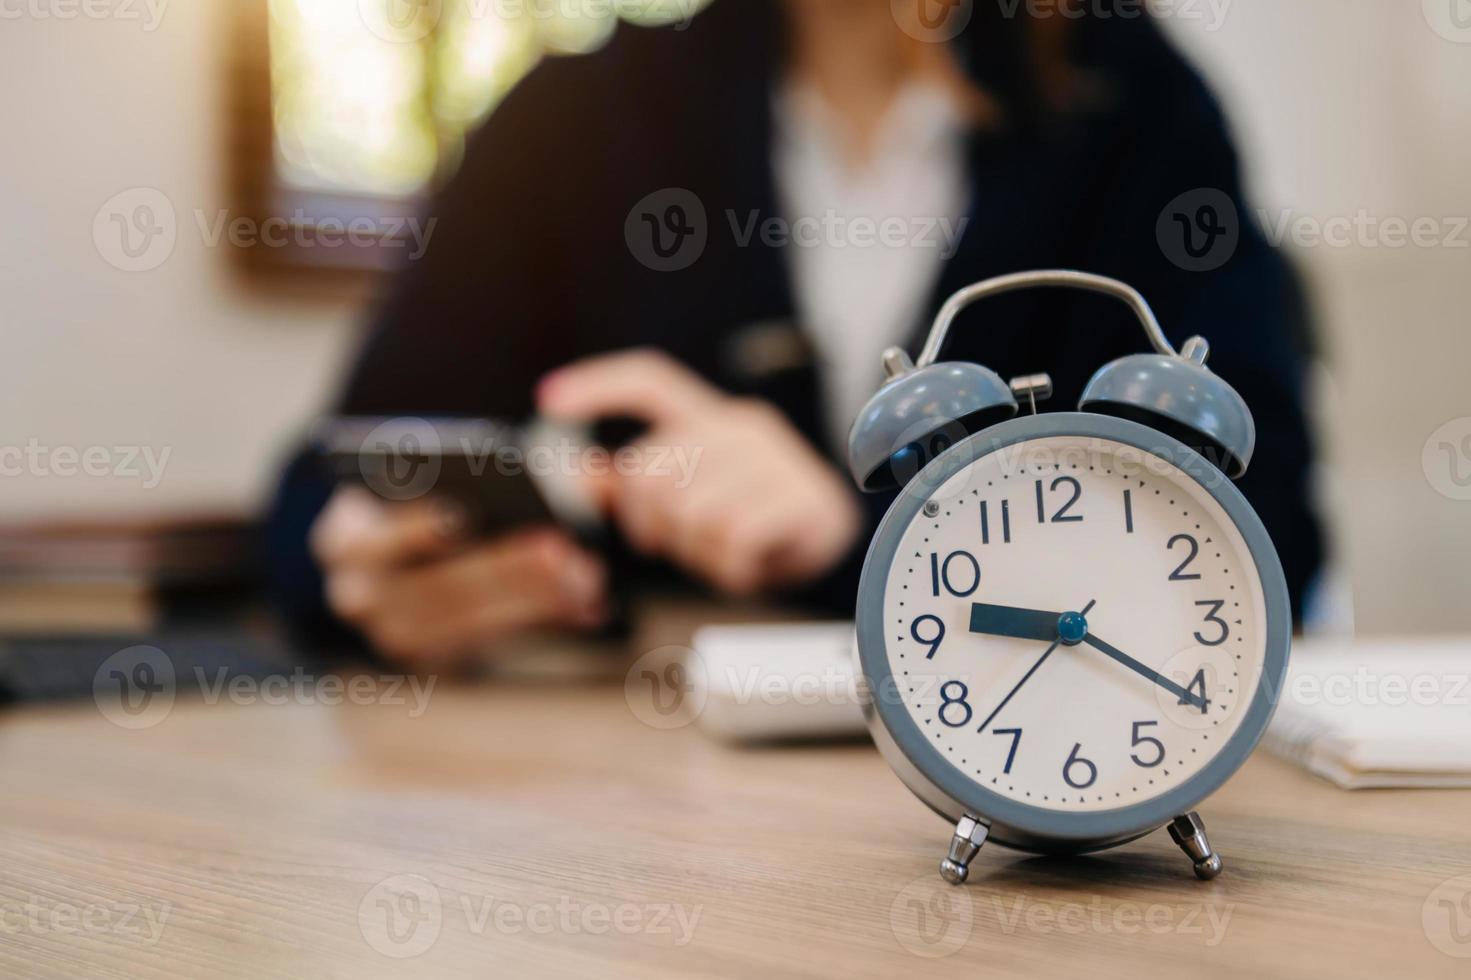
(643, 383)
(455, 604)
(360, 530)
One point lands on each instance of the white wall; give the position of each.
(1342, 105)
(182, 357)
(1350, 105)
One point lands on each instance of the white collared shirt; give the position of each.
(867, 243)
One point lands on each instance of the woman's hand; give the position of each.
(721, 486)
(422, 593)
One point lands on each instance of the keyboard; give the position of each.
(61, 668)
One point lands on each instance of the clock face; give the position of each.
(1074, 624)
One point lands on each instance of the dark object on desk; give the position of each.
(121, 576)
(36, 668)
(502, 476)
(482, 466)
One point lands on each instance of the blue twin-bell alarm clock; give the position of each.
(1072, 626)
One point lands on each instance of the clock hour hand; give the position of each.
(1013, 621)
(1069, 628)
(1115, 653)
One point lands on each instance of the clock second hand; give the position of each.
(1027, 676)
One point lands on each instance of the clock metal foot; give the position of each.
(970, 834)
(1189, 832)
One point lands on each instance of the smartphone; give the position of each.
(502, 476)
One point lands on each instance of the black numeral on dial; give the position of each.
(953, 573)
(933, 642)
(1179, 574)
(1222, 630)
(1005, 522)
(950, 700)
(1061, 515)
(1074, 764)
(1197, 687)
(1159, 747)
(1016, 739)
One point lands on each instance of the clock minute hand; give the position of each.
(1013, 621)
(1055, 636)
(1147, 672)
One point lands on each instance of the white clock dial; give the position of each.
(1154, 671)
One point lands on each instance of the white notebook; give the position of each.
(776, 681)
(1361, 713)
(1378, 713)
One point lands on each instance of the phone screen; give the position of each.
(503, 476)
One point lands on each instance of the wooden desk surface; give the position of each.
(545, 831)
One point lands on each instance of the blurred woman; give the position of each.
(717, 227)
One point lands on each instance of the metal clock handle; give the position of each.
(1196, 349)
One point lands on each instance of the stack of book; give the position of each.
(1382, 713)
(96, 577)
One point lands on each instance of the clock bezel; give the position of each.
(952, 793)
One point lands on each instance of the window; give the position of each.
(370, 99)
(374, 96)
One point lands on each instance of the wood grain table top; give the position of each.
(542, 830)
